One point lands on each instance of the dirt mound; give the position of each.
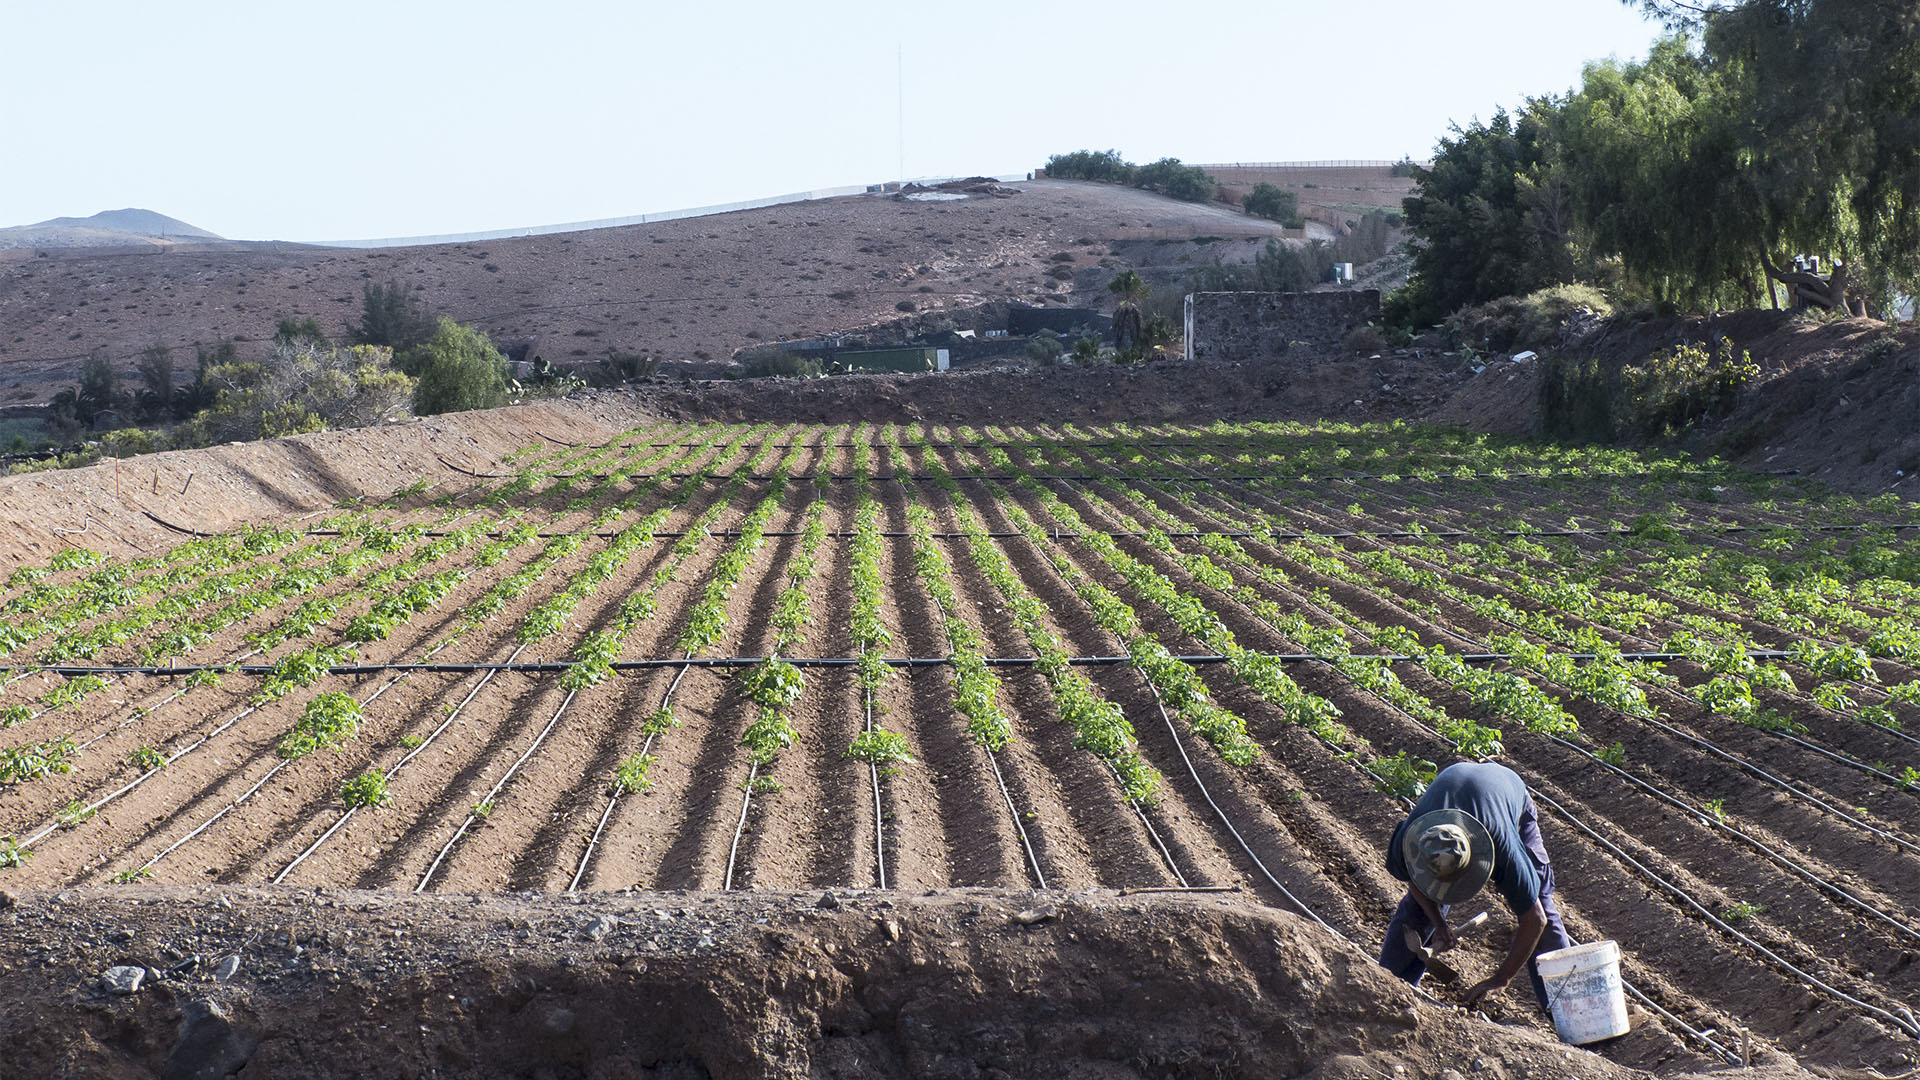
(148, 503)
(971, 983)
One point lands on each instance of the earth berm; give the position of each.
(963, 983)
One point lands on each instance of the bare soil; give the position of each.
(256, 982)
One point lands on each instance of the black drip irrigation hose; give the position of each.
(1242, 478)
(164, 523)
(543, 667)
(1237, 534)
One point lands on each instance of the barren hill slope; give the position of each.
(681, 290)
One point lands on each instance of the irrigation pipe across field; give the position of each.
(545, 667)
(1237, 534)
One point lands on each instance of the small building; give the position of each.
(1244, 326)
(904, 360)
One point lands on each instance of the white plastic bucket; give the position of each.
(1584, 991)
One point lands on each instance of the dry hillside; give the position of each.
(684, 290)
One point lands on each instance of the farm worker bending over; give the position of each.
(1475, 824)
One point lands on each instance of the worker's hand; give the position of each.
(1443, 938)
(1482, 988)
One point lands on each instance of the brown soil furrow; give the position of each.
(512, 820)
(1283, 833)
(1071, 802)
(1183, 822)
(707, 706)
(810, 833)
(954, 827)
(482, 713)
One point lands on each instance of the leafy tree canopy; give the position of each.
(458, 369)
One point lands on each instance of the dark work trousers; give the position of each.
(1407, 964)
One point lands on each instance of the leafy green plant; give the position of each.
(1615, 755)
(329, 720)
(367, 789)
(1402, 776)
(483, 809)
(12, 854)
(129, 876)
(659, 721)
(1741, 911)
(1717, 810)
(773, 684)
(880, 747)
(146, 758)
(74, 813)
(630, 776)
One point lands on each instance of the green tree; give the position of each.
(156, 375)
(1274, 202)
(1468, 216)
(99, 388)
(1653, 161)
(459, 369)
(390, 316)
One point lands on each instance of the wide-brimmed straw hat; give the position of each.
(1449, 855)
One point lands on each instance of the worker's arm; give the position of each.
(1525, 937)
(1442, 934)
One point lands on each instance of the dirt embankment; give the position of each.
(969, 983)
(1838, 401)
(144, 504)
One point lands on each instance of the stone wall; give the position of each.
(1242, 326)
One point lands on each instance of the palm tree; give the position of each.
(1129, 325)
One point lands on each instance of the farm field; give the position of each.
(913, 657)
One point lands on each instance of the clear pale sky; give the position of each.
(350, 119)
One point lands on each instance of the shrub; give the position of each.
(459, 369)
(1516, 322)
(1103, 165)
(1677, 387)
(301, 386)
(1166, 176)
(617, 368)
(1045, 349)
(126, 442)
(1365, 340)
(1275, 203)
(1671, 391)
(778, 363)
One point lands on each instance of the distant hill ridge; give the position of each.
(109, 228)
(133, 220)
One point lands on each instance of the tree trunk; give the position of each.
(1827, 292)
